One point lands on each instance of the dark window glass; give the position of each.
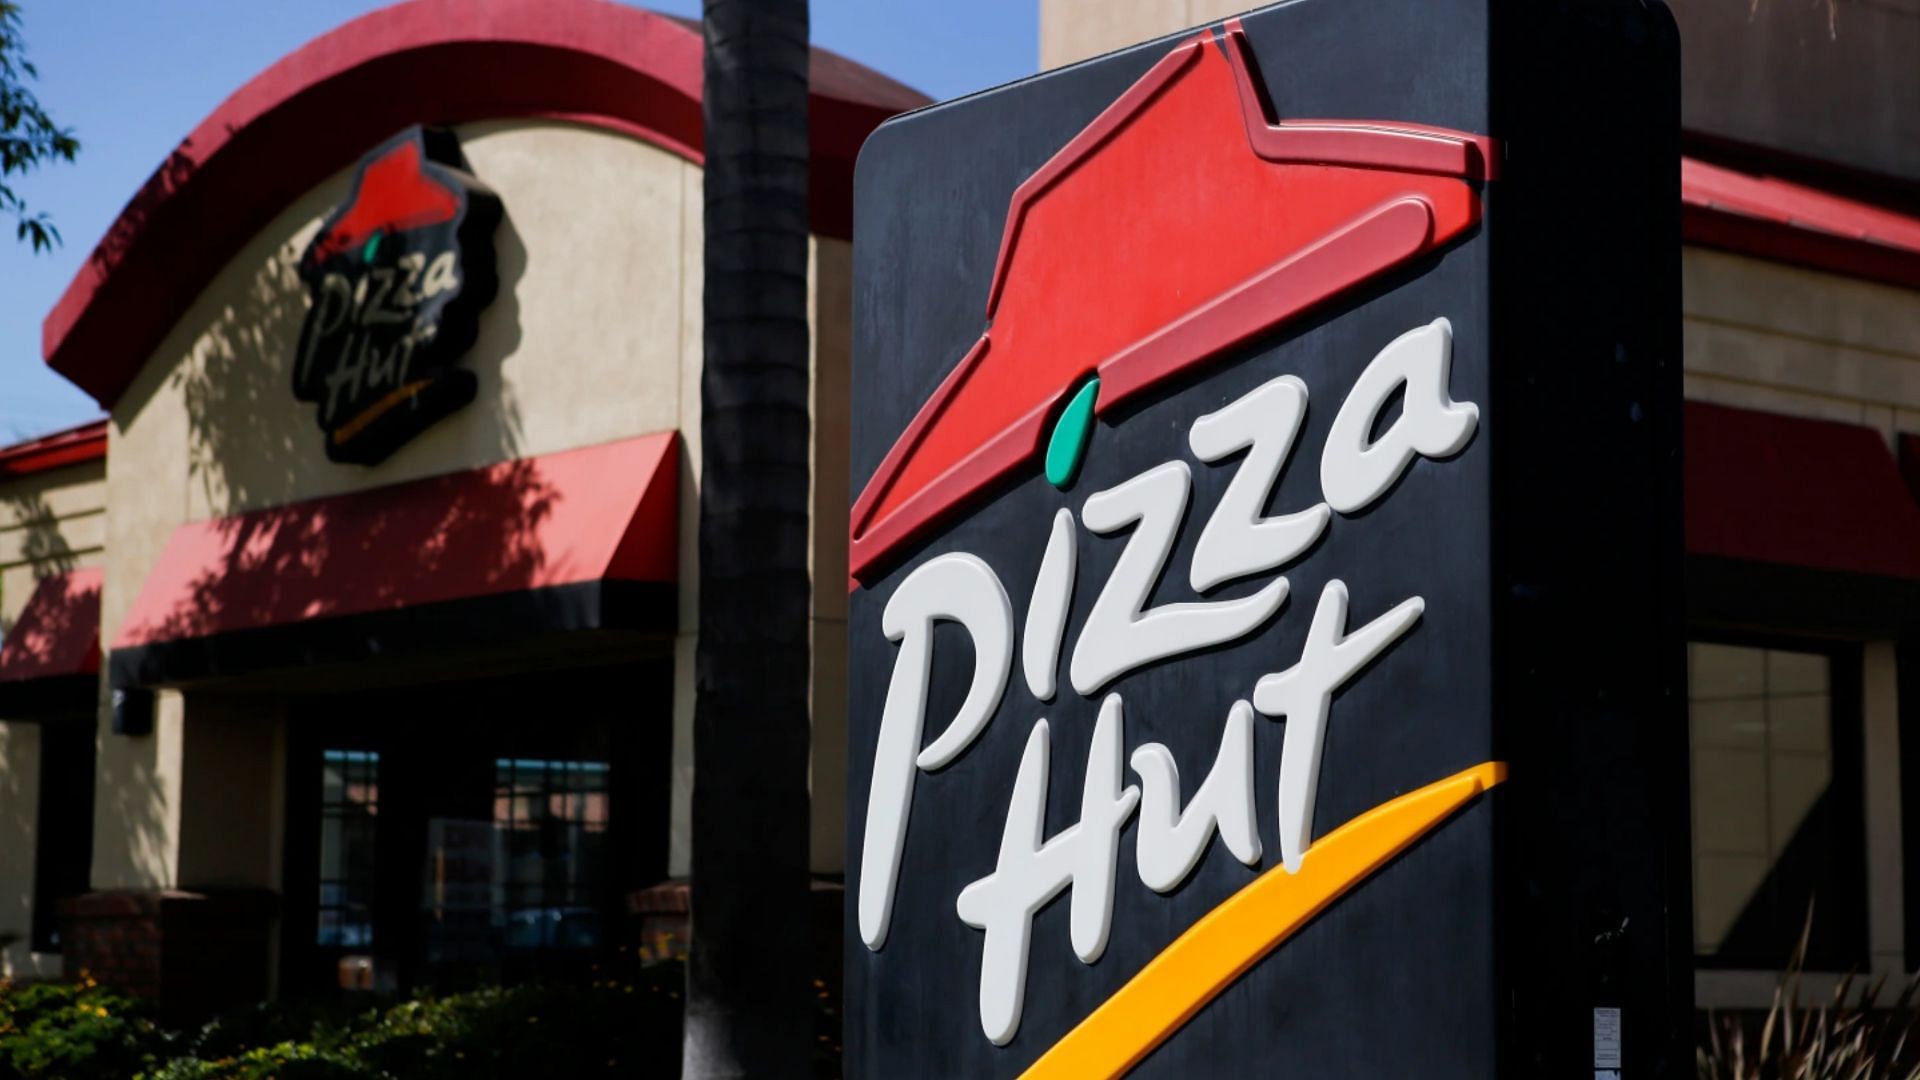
(549, 881)
(349, 808)
(1777, 820)
(63, 851)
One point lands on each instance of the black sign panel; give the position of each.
(397, 278)
(1265, 558)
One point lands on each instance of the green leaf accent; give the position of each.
(1068, 446)
(373, 245)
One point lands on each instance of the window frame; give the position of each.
(369, 770)
(1840, 943)
(307, 966)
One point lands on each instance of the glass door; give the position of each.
(469, 833)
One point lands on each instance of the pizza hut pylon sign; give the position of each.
(1173, 673)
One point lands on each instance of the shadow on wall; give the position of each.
(44, 547)
(253, 453)
(252, 444)
(130, 814)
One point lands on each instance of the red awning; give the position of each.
(58, 632)
(1766, 216)
(1787, 203)
(1781, 489)
(601, 513)
(87, 442)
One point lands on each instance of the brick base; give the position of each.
(195, 953)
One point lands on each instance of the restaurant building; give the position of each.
(268, 666)
(355, 646)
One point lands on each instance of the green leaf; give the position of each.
(29, 137)
(1068, 445)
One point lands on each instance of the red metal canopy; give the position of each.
(58, 632)
(1786, 490)
(605, 512)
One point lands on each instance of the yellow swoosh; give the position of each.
(1246, 927)
(374, 411)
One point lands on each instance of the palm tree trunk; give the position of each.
(749, 1000)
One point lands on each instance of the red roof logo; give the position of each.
(1181, 222)
(395, 194)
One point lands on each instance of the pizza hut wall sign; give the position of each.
(396, 279)
(1188, 426)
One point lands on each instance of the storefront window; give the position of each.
(349, 806)
(552, 819)
(63, 855)
(1776, 808)
(458, 834)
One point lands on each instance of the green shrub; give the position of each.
(74, 1031)
(270, 1024)
(613, 1027)
(281, 1061)
(609, 1029)
(627, 1027)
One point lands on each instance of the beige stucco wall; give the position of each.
(50, 522)
(832, 296)
(692, 350)
(1886, 863)
(1764, 335)
(1073, 30)
(596, 336)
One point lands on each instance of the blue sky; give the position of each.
(132, 77)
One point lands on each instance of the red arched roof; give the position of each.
(426, 61)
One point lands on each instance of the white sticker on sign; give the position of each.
(1606, 1044)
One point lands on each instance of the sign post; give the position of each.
(1264, 623)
